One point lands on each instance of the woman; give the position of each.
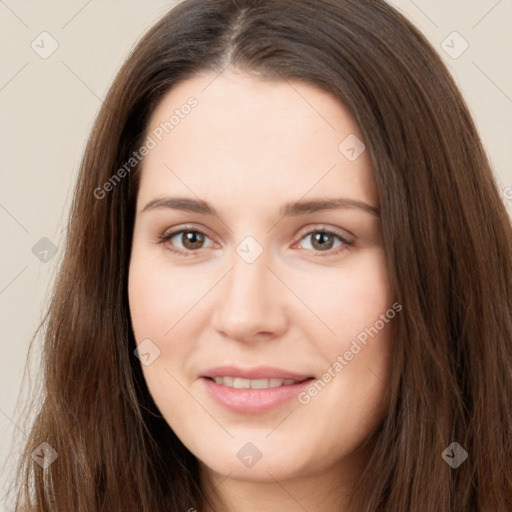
(199, 355)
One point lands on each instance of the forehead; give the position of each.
(253, 138)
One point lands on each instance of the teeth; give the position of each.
(241, 383)
(238, 383)
(259, 383)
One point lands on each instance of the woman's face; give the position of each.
(263, 294)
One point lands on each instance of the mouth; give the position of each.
(265, 383)
(254, 395)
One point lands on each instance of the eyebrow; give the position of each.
(291, 209)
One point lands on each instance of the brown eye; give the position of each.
(322, 242)
(191, 241)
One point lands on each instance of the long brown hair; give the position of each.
(445, 229)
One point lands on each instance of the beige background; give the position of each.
(48, 106)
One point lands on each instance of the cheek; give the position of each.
(350, 299)
(160, 297)
(145, 298)
(159, 301)
(357, 308)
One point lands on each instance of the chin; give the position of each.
(258, 461)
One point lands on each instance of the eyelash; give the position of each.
(322, 254)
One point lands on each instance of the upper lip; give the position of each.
(259, 372)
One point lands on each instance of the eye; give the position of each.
(191, 238)
(323, 240)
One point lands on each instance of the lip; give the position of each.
(253, 400)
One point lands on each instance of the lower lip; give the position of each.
(253, 400)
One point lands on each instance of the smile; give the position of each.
(239, 383)
(254, 396)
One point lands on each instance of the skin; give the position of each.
(248, 147)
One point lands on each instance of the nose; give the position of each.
(251, 302)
